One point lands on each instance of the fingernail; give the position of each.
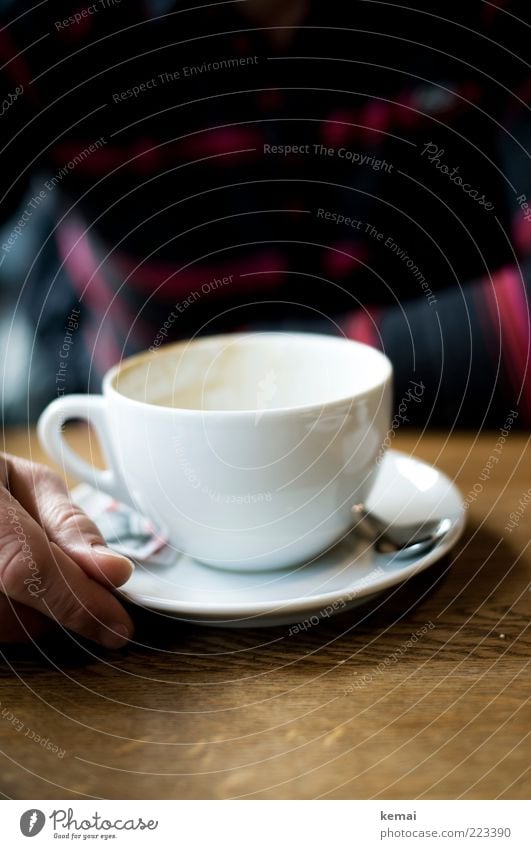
(108, 552)
(115, 636)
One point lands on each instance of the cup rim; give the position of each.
(109, 378)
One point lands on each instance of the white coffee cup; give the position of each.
(250, 449)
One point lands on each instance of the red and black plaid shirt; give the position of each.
(365, 171)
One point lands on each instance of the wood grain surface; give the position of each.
(338, 711)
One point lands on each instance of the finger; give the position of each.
(37, 573)
(45, 497)
(21, 624)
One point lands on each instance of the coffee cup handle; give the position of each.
(92, 409)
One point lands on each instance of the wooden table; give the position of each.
(190, 712)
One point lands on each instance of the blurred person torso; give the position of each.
(307, 165)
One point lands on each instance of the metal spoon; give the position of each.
(402, 540)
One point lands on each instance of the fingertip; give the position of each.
(115, 636)
(115, 567)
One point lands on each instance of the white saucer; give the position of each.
(406, 490)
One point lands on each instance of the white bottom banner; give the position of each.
(266, 824)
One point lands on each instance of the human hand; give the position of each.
(54, 565)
